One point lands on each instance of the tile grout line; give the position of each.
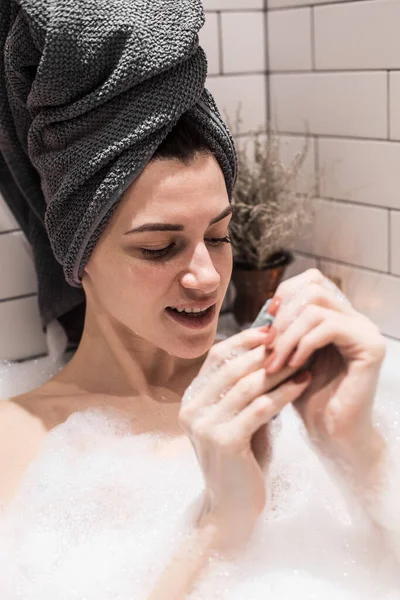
(338, 136)
(317, 72)
(352, 203)
(21, 297)
(6, 231)
(210, 11)
(341, 263)
(320, 5)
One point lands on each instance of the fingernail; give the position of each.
(302, 377)
(266, 328)
(274, 306)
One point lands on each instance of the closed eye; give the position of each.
(162, 252)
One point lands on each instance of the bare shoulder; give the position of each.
(22, 434)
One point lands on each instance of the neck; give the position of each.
(113, 361)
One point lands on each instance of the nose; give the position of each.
(201, 274)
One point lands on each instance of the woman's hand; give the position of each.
(315, 317)
(225, 413)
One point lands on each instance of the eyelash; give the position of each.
(155, 254)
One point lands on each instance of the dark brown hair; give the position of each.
(182, 143)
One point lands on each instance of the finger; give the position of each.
(313, 293)
(267, 406)
(211, 386)
(354, 338)
(246, 390)
(235, 346)
(287, 342)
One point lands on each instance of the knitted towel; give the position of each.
(88, 90)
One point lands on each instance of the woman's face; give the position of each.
(166, 247)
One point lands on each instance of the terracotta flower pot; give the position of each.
(254, 287)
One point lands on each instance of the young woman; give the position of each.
(164, 255)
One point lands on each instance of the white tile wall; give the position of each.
(395, 243)
(289, 34)
(368, 32)
(342, 231)
(363, 171)
(300, 264)
(247, 31)
(287, 3)
(16, 266)
(289, 147)
(394, 103)
(330, 103)
(7, 221)
(247, 90)
(375, 294)
(209, 40)
(233, 4)
(347, 90)
(21, 331)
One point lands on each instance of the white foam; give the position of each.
(99, 515)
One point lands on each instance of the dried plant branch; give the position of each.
(268, 212)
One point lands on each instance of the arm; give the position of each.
(188, 566)
(380, 493)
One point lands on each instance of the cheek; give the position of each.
(135, 288)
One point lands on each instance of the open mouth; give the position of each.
(194, 320)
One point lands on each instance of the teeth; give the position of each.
(189, 310)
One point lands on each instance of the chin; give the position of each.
(194, 348)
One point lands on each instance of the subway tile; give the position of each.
(232, 4)
(289, 148)
(374, 294)
(247, 90)
(17, 274)
(7, 220)
(395, 242)
(209, 40)
(358, 35)
(289, 3)
(342, 231)
(360, 170)
(244, 31)
(349, 104)
(300, 264)
(21, 331)
(394, 119)
(289, 39)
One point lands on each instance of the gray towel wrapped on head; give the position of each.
(89, 89)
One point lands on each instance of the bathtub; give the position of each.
(311, 529)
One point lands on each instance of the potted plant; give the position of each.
(268, 215)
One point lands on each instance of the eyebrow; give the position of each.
(176, 227)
